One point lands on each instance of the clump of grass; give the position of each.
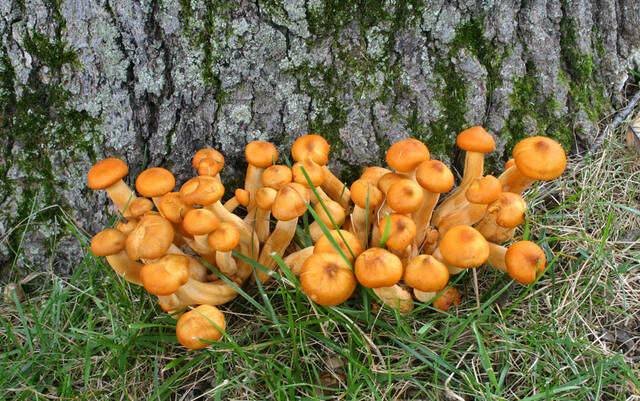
(572, 335)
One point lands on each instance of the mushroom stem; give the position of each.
(195, 292)
(252, 245)
(452, 269)
(467, 214)
(121, 195)
(395, 297)
(262, 223)
(497, 256)
(226, 263)
(125, 267)
(231, 204)
(473, 168)
(360, 226)
(252, 183)
(277, 242)
(202, 248)
(294, 261)
(422, 216)
(335, 188)
(423, 296)
(513, 180)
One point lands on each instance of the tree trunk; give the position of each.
(151, 82)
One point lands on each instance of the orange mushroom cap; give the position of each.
(106, 172)
(202, 190)
(484, 190)
(402, 231)
(350, 247)
(242, 196)
(314, 171)
(540, 158)
(405, 155)
(476, 139)
(405, 196)
(377, 267)
(312, 147)
(374, 174)
(434, 176)
(261, 154)
(154, 182)
(172, 207)
(224, 238)
(335, 210)
(510, 209)
(165, 276)
(200, 324)
(139, 206)
(276, 176)
(327, 279)
(151, 238)
(265, 197)
(207, 153)
(107, 242)
(289, 203)
(525, 261)
(464, 247)
(359, 191)
(426, 273)
(386, 181)
(210, 167)
(200, 221)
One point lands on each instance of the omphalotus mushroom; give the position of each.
(347, 242)
(426, 274)
(462, 247)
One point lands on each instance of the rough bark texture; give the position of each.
(151, 82)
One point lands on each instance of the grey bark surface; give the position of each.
(152, 82)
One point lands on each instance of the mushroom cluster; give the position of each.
(384, 231)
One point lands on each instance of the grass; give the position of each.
(572, 335)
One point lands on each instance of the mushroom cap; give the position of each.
(200, 324)
(224, 238)
(200, 221)
(312, 147)
(335, 210)
(202, 190)
(210, 166)
(108, 242)
(405, 196)
(476, 139)
(402, 230)
(261, 154)
(510, 163)
(525, 261)
(139, 206)
(173, 207)
(106, 172)
(404, 156)
(484, 190)
(126, 227)
(377, 267)
(386, 181)
(374, 174)
(166, 275)
(509, 209)
(351, 242)
(434, 176)
(242, 196)
(151, 238)
(154, 182)
(265, 197)
(360, 189)
(464, 247)
(327, 279)
(276, 176)
(426, 273)
(207, 153)
(540, 158)
(449, 298)
(313, 170)
(289, 203)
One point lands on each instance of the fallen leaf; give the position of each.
(633, 133)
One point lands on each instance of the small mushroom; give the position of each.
(208, 162)
(327, 279)
(462, 247)
(346, 241)
(107, 174)
(111, 243)
(295, 260)
(240, 197)
(150, 239)
(199, 223)
(199, 327)
(395, 297)
(265, 197)
(154, 183)
(405, 196)
(427, 274)
(402, 231)
(259, 155)
(405, 156)
(502, 216)
(377, 267)
(315, 174)
(445, 301)
(525, 261)
(223, 240)
(311, 147)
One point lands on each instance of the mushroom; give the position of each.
(126, 227)
(327, 279)
(166, 275)
(199, 223)
(502, 216)
(265, 197)
(395, 297)
(404, 156)
(202, 190)
(402, 231)
(427, 275)
(361, 192)
(536, 158)
(377, 267)
(332, 220)
(139, 206)
(259, 155)
(110, 243)
(315, 174)
(462, 247)
(405, 196)
(479, 194)
(312, 147)
(374, 173)
(154, 183)
(208, 162)
(347, 242)
(199, 327)
(223, 240)
(476, 142)
(290, 203)
(276, 176)
(151, 238)
(295, 260)
(435, 178)
(449, 298)
(174, 209)
(525, 261)
(240, 197)
(107, 174)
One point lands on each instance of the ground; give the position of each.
(572, 335)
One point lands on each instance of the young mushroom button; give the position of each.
(406, 155)
(525, 261)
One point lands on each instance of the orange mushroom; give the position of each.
(107, 174)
